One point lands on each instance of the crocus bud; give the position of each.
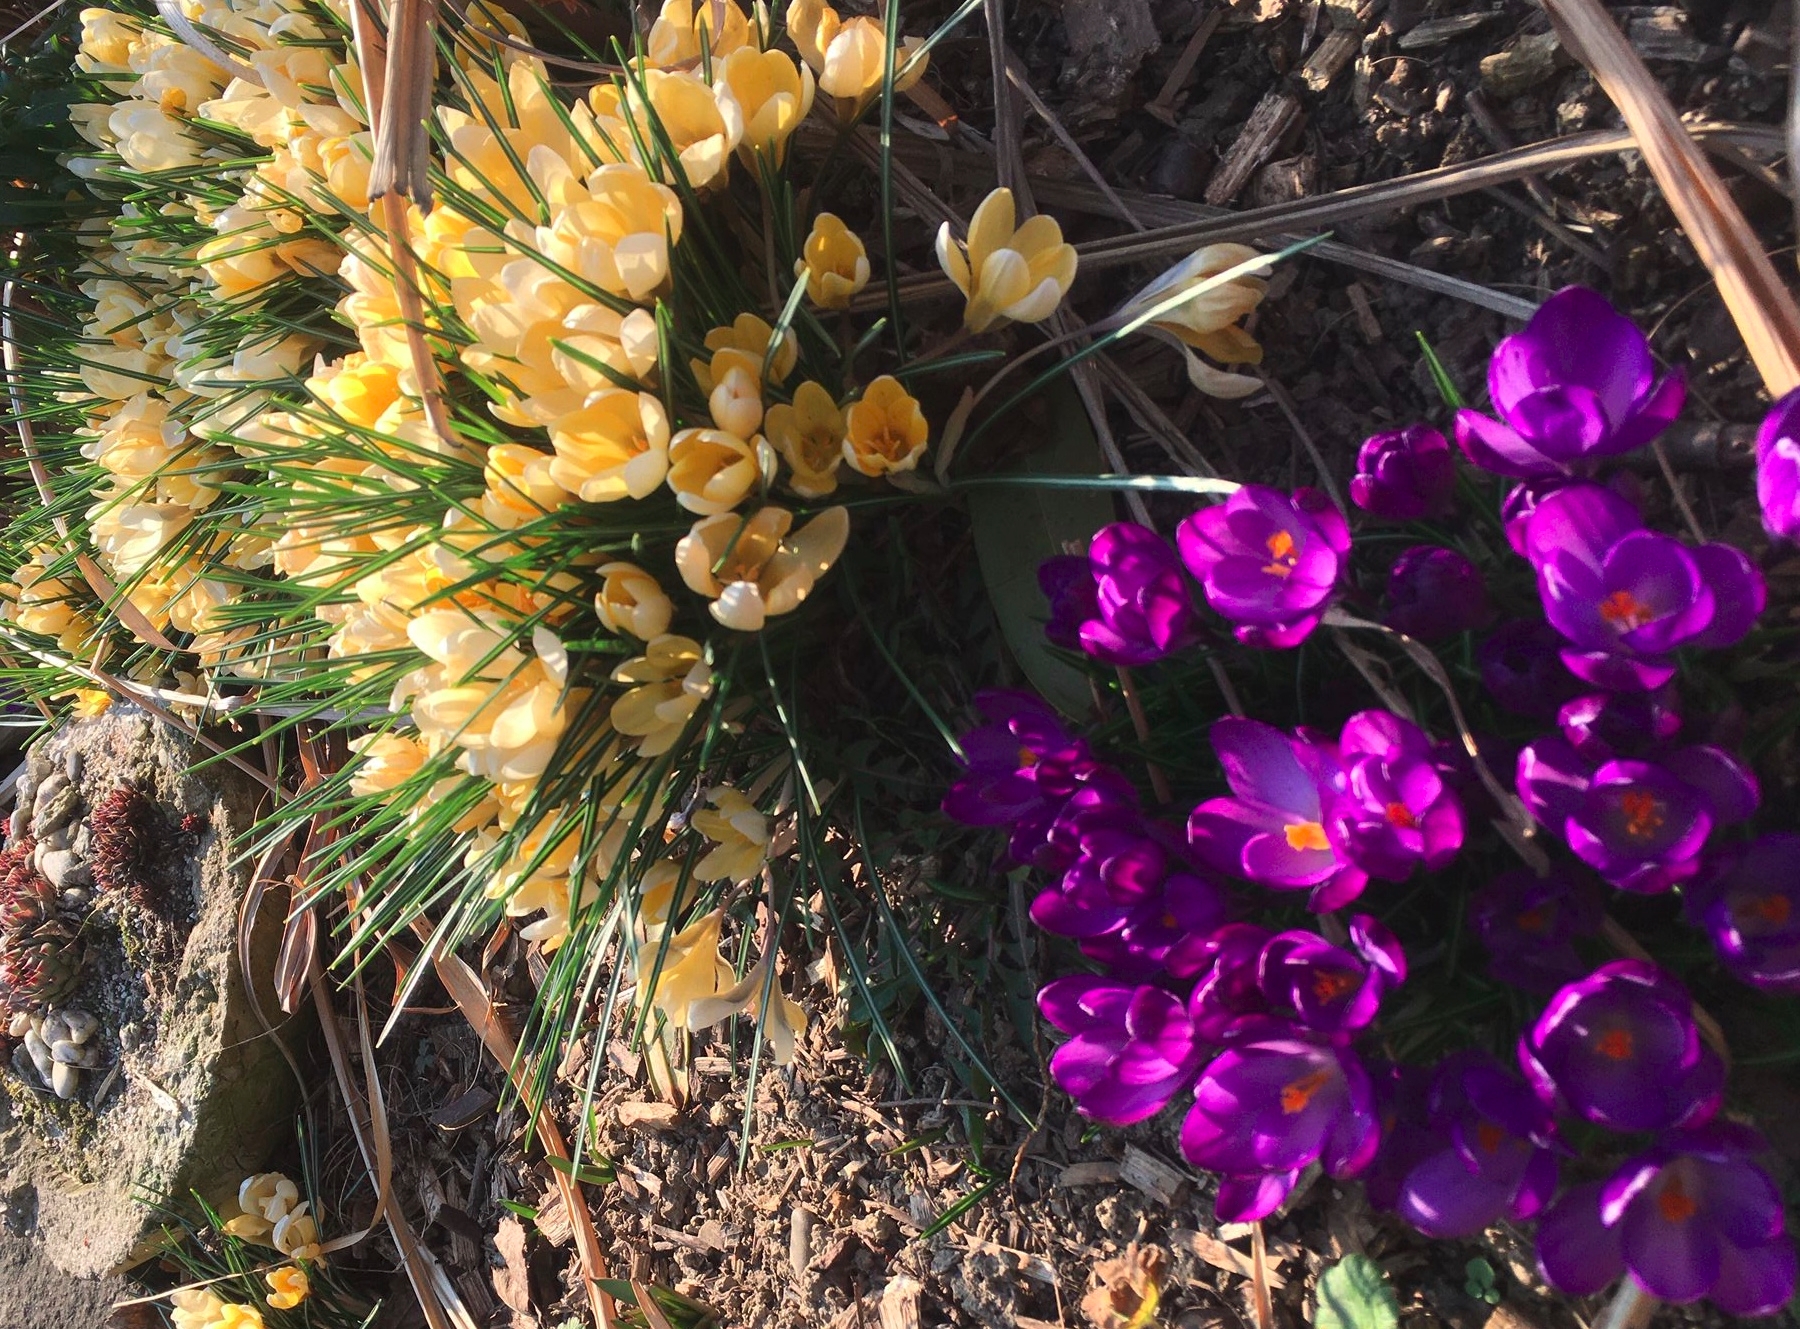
(1436, 594)
(1404, 474)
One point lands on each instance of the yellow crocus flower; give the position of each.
(809, 435)
(752, 568)
(885, 431)
(834, 263)
(1009, 274)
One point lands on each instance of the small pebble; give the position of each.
(81, 1025)
(19, 1025)
(39, 1052)
(75, 899)
(64, 1080)
(60, 838)
(65, 870)
(65, 1053)
(15, 824)
(72, 763)
(84, 841)
(47, 817)
(47, 792)
(53, 1028)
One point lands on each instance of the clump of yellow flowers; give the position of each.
(529, 553)
(269, 1212)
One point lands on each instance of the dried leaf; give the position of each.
(512, 1279)
(1127, 1289)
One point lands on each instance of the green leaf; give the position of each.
(1018, 527)
(1354, 1294)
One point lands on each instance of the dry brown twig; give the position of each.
(1760, 304)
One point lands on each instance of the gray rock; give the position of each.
(39, 1052)
(73, 760)
(199, 1094)
(47, 793)
(80, 1024)
(48, 814)
(65, 1080)
(65, 871)
(60, 838)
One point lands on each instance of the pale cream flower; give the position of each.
(239, 1315)
(520, 485)
(736, 398)
(616, 445)
(850, 57)
(107, 42)
(296, 1235)
(538, 877)
(780, 1031)
(752, 568)
(149, 139)
(691, 968)
(672, 679)
(630, 601)
(1008, 274)
(384, 762)
(809, 435)
(834, 263)
(712, 471)
(747, 340)
(1209, 321)
(675, 37)
(704, 123)
(505, 711)
(174, 76)
(196, 1308)
(884, 430)
(774, 94)
(740, 835)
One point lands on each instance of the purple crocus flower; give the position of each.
(1332, 991)
(1267, 561)
(1636, 822)
(1273, 829)
(1143, 609)
(1575, 385)
(1620, 724)
(1025, 770)
(1778, 469)
(1130, 1048)
(1497, 1161)
(1528, 924)
(1520, 502)
(1749, 901)
(1409, 1135)
(1694, 1217)
(1625, 597)
(1436, 593)
(1404, 474)
(1225, 963)
(1521, 668)
(1264, 1110)
(1620, 1048)
(1068, 583)
(1395, 811)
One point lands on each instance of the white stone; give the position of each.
(65, 1080)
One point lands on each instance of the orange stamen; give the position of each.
(1624, 611)
(1489, 1136)
(1306, 835)
(1674, 1203)
(1616, 1044)
(1534, 920)
(1400, 815)
(1295, 1096)
(1643, 814)
(1774, 910)
(1330, 984)
(1281, 550)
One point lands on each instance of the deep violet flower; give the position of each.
(1436, 593)
(1404, 474)
(1023, 769)
(1749, 901)
(1264, 1110)
(1068, 583)
(1625, 597)
(1395, 811)
(1142, 606)
(1130, 1047)
(1694, 1217)
(1273, 828)
(1778, 468)
(1620, 1048)
(1225, 964)
(1408, 1134)
(1331, 990)
(1497, 1160)
(1575, 385)
(1267, 561)
(1529, 924)
(1128, 897)
(1620, 724)
(1521, 668)
(1520, 502)
(1639, 823)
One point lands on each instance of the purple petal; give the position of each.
(1444, 1198)
(1739, 594)
(1246, 1199)
(1578, 1256)
(1755, 1281)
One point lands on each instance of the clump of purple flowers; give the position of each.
(1268, 1029)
